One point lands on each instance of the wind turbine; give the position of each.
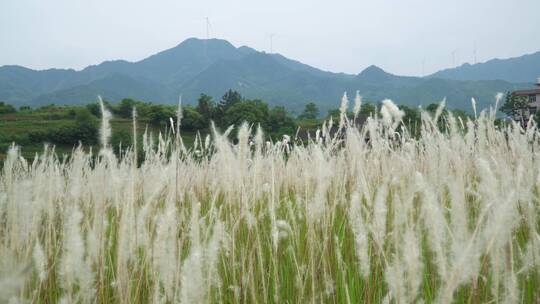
(272, 43)
(207, 28)
(205, 51)
(454, 58)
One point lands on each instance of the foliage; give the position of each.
(94, 109)
(206, 108)
(251, 111)
(432, 107)
(25, 109)
(280, 122)
(6, 108)
(192, 120)
(228, 100)
(124, 109)
(334, 114)
(311, 111)
(160, 114)
(514, 105)
(57, 124)
(368, 109)
(121, 140)
(82, 130)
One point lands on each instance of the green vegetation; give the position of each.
(515, 105)
(68, 126)
(311, 111)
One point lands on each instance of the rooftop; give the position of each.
(527, 92)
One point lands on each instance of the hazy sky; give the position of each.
(340, 36)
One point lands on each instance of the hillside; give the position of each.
(214, 66)
(523, 69)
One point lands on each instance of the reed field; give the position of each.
(370, 214)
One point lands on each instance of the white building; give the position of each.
(533, 97)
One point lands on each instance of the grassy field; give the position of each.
(367, 215)
(14, 128)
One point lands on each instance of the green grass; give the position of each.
(14, 128)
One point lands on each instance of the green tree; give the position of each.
(192, 120)
(86, 127)
(251, 111)
(206, 107)
(515, 106)
(121, 138)
(368, 109)
(311, 111)
(412, 119)
(6, 108)
(412, 115)
(334, 113)
(280, 122)
(25, 109)
(228, 100)
(160, 114)
(94, 109)
(125, 107)
(432, 107)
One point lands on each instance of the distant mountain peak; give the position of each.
(374, 73)
(373, 70)
(195, 40)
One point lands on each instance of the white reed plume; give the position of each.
(192, 281)
(74, 268)
(165, 251)
(380, 212)
(344, 104)
(386, 116)
(134, 121)
(360, 234)
(413, 263)
(105, 130)
(439, 110)
(10, 286)
(357, 104)
(40, 261)
(473, 102)
(391, 114)
(179, 115)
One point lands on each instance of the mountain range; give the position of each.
(213, 66)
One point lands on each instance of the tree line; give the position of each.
(231, 109)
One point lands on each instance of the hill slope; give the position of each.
(214, 66)
(519, 69)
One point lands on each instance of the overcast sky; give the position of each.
(407, 37)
